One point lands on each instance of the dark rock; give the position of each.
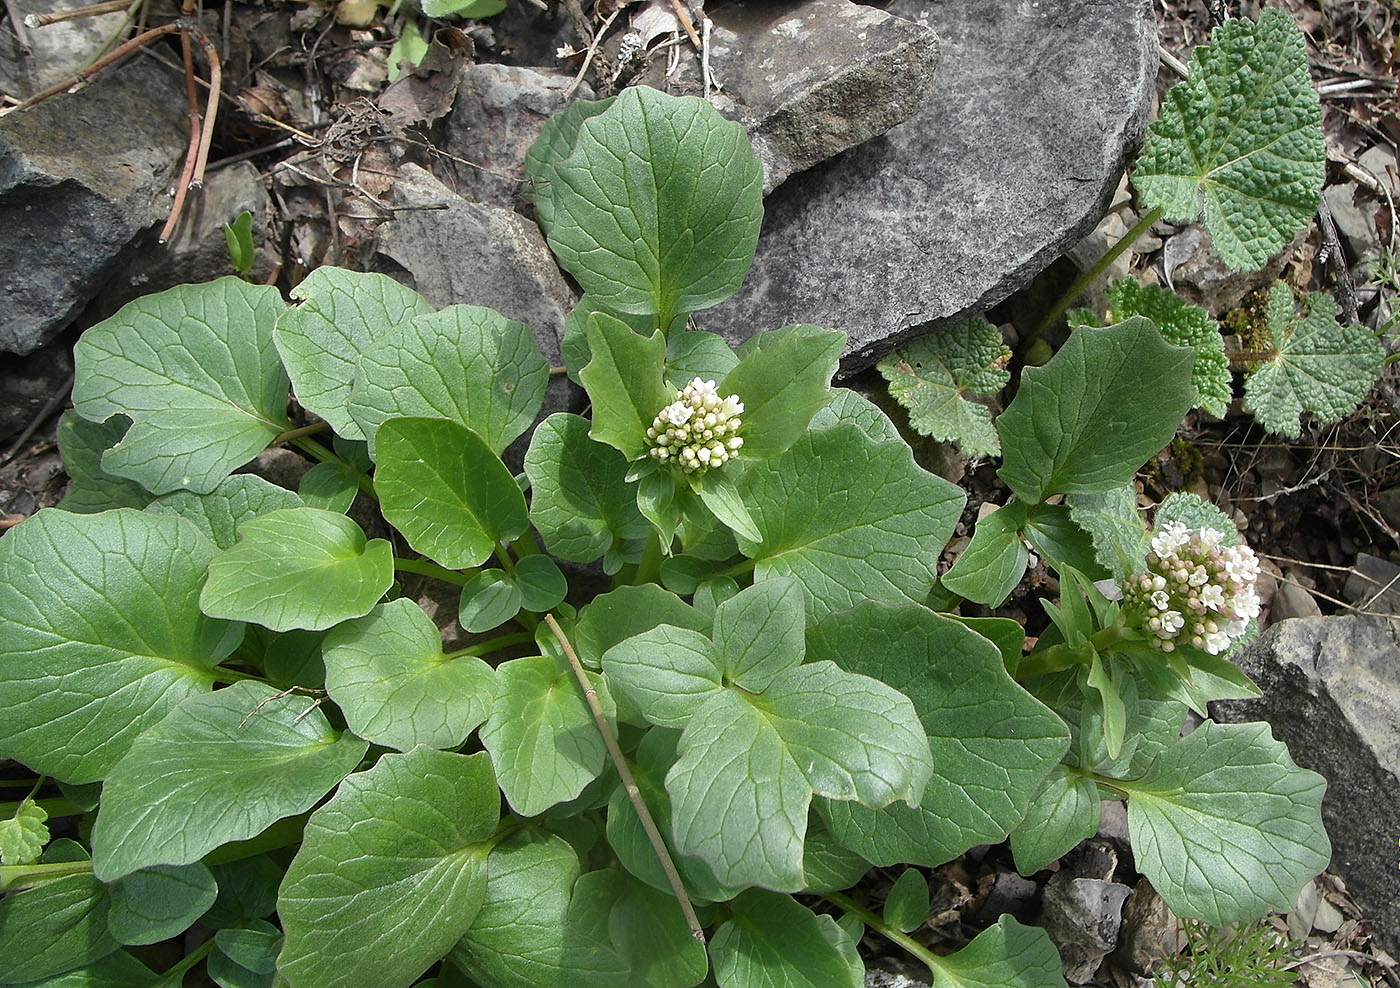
(1331, 692)
(1150, 933)
(809, 79)
(1194, 270)
(1082, 917)
(52, 53)
(498, 112)
(28, 384)
(1374, 585)
(1292, 601)
(80, 176)
(1012, 160)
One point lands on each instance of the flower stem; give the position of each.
(26, 876)
(925, 956)
(426, 567)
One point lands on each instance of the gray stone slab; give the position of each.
(1331, 690)
(1036, 106)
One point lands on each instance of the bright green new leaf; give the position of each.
(694, 353)
(1064, 812)
(90, 488)
(238, 235)
(624, 381)
(1088, 419)
(102, 635)
(1193, 512)
(994, 561)
(574, 345)
(783, 379)
(388, 674)
(1007, 955)
(650, 931)
(850, 518)
(555, 143)
(391, 873)
(221, 767)
(1241, 139)
(465, 9)
(195, 369)
(160, 902)
(1225, 826)
(720, 495)
(668, 672)
(23, 836)
(658, 205)
(235, 500)
(441, 485)
(526, 934)
(907, 905)
(772, 941)
(542, 584)
(1181, 324)
(56, 927)
(579, 502)
(488, 600)
(332, 486)
(298, 568)
(409, 46)
(759, 633)
(1318, 365)
(933, 376)
(976, 717)
(1114, 526)
(342, 313)
(619, 614)
(541, 735)
(466, 363)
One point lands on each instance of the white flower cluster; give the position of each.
(1195, 590)
(697, 431)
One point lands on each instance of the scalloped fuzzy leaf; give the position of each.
(195, 369)
(783, 379)
(388, 674)
(440, 484)
(466, 363)
(772, 941)
(932, 376)
(341, 313)
(1241, 139)
(1318, 365)
(1226, 826)
(201, 777)
(1181, 324)
(657, 206)
(219, 513)
(90, 488)
(975, 716)
(400, 847)
(1193, 512)
(102, 635)
(1007, 955)
(579, 501)
(23, 836)
(850, 518)
(1115, 527)
(298, 568)
(1091, 417)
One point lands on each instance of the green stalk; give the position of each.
(1087, 277)
(53, 806)
(649, 569)
(426, 567)
(925, 956)
(182, 967)
(492, 644)
(27, 876)
(324, 455)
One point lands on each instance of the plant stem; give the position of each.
(628, 782)
(1099, 267)
(491, 644)
(925, 956)
(306, 430)
(324, 455)
(26, 876)
(649, 569)
(177, 973)
(53, 806)
(225, 675)
(426, 567)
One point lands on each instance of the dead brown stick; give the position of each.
(117, 53)
(183, 184)
(628, 782)
(683, 16)
(57, 16)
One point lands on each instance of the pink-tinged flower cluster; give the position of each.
(699, 430)
(1196, 590)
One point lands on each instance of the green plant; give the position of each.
(698, 695)
(1246, 955)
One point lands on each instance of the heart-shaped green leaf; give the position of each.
(219, 513)
(160, 902)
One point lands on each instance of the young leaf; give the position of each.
(1241, 139)
(90, 488)
(850, 518)
(1064, 812)
(298, 568)
(658, 205)
(245, 958)
(759, 633)
(103, 635)
(541, 736)
(975, 716)
(158, 903)
(440, 484)
(388, 674)
(932, 376)
(579, 501)
(618, 615)
(399, 847)
(488, 600)
(720, 495)
(624, 381)
(1181, 324)
(195, 369)
(332, 486)
(200, 778)
(238, 235)
(772, 941)
(994, 561)
(555, 143)
(1088, 419)
(542, 584)
(782, 378)
(1007, 955)
(1317, 365)
(23, 836)
(1115, 527)
(693, 353)
(56, 927)
(235, 500)
(495, 387)
(907, 905)
(668, 672)
(1226, 826)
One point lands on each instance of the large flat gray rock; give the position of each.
(1332, 693)
(1036, 106)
